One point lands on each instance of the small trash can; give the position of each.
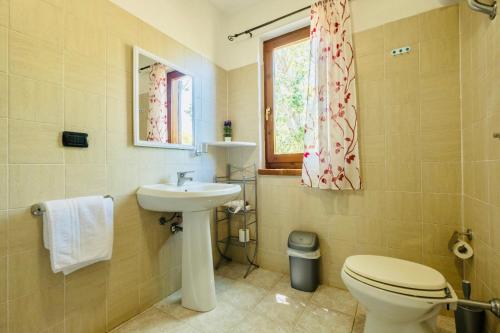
(303, 251)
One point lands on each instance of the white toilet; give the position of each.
(399, 296)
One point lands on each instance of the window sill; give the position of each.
(280, 172)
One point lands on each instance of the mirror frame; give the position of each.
(135, 109)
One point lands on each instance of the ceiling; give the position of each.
(232, 6)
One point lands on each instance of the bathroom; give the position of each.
(428, 124)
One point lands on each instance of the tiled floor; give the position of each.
(263, 302)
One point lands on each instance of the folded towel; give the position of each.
(235, 206)
(78, 232)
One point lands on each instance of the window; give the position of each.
(286, 69)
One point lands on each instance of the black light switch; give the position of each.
(75, 139)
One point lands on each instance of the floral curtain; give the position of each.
(157, 125)
(331, 158)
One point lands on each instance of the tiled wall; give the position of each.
(480, 55)
(66, 65)
(410, 153)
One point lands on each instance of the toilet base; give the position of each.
(380, 325)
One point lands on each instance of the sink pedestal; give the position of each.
(198, 283)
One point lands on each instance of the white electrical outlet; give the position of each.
(401, 50)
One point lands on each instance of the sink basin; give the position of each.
(194, 200)
(191, 197)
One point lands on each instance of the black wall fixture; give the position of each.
(75, 139)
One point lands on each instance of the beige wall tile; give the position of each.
(4, 13)
(35, 100)
(3, 317)
(4, 186)
(442, 208)
(401, 89)
(441, 177)
(37, 311)
(91, 10)
(37, 18)
(150, 292)
(370, 67)
(401, 175)
(24, 231)
(3, 233)
(436, 86)
(119, 84)
(34, 58)
(122, 178)
(401, 33)
(439, 23)
(35, 183)
(94, 154)
(441, 145)
(127, 241)
(3, 279)
(119, 115)
(85, 299)
(439, 55)
(4, 49)
(31, 142)
(4, 95)
(122, 304)
(81, 73)
(119, 52)
(85, 37)
(84, 110)
(439, 114)
(372, 148)
(122, 23)
(4, 130)
(402, 118)
(369, 41)
(30, 272)
(85, 179)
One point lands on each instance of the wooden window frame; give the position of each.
(277, 161)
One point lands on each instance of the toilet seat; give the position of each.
(397, 276)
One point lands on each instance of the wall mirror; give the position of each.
(163, 103)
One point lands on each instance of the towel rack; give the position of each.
(38, 210)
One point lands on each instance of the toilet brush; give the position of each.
(468, 319)
(466, 288)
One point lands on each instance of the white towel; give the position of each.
(235, 206)
(78, 232)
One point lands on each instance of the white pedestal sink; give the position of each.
(194, 200)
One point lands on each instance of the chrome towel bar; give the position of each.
(38, 210)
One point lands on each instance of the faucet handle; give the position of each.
(184, 173)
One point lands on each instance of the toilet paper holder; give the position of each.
(456, 237)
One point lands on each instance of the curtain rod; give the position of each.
(249, 31)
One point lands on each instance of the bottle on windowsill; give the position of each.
(228, 131)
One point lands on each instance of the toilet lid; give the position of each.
(396, 272)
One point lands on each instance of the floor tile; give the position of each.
(258, 323)
(263, 278)
(335, 299)
(151, 321)
(243, 295)
(316, 319)
(222, 319)
(223, 284)
(173, 307)
(284, 287)
(446, 324)
(281, 309)
(232, 270)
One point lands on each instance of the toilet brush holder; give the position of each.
(469, 320)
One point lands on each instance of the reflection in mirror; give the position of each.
(164, 104)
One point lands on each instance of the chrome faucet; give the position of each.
(181, 177)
